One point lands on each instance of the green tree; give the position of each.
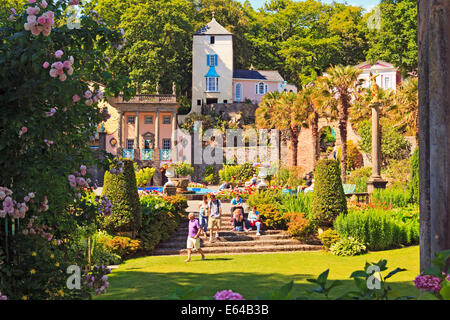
(396, 40)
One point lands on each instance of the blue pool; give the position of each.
(196, 190)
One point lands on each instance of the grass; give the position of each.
(155, 277)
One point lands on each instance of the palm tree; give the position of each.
(310, 101)
(406, 111)
(279, 111)
(343, 86)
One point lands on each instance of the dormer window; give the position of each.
(212, 40)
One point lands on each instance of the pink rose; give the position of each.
(23, 131)
(76, 98)
(46, 31)
(89, 102)
(43, 4)
(88, 94)
(35, 31)
(31, 1)
(60, 71)
(46, 65)
(58, 54)
(31, 18)
(62, 77)
(42, 20)
(70, 71)
(50, 14)
(67, 64)
(53, 73)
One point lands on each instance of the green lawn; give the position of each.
(155, 277)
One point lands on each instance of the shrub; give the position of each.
(297, 203)
(328, 238)
(210, 175)
(262, 197)
(236, 174)
(122, 246)
(121, 189)
(179, 204)
(298, 225)
(144, 176)
(391, 197)
(328, 199)
(289, 176)
(359, 177)
(414, 180)
(184, 169)
(271, 217)
(348, 247)
(354, 157)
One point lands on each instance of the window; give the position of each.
(148, 144)
(130, 144)
(166, 120)
(199, 102)
(238, 92)
(261, 88)
(148, 119)
(225, 101)
(211, 60)
(130, 119)
(387, 83)
(212, 84)
(212, 40)
(166, 144)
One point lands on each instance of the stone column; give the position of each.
(138, 147)
(157, 131)
(375, 181)
(120, 129)
(434, 128)
(174, 137)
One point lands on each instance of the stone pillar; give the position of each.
(157, 131)
(120, 129)
(174, 137)
(138, 147)
(434, 127)
(375, 181)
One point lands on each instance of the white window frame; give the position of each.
(148, 117)
(264, 88)
(165, 143)
(387, 82)
(236, 91)
(130, 142)
(212, 84)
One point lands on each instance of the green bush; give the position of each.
(328, 199)
(359, 177)
(328, 238)
(210, 175)
(262, 197)
(297, 225)
(184, 169)
(348, 247)
(397, 173)
(354, 157)
(414, 180)
(391, 197)
(121, 246)
(237, 174)
(271, 217)
(289, 176)
(121, 189)
(297, 203)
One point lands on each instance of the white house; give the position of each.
(389, 76)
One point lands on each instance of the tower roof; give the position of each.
(213, 28)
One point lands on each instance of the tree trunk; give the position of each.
(343, 118)
(315, 138)
(434, 128)
(294, 131)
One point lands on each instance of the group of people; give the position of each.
(209, 217)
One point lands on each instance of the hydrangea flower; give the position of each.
(428, 283)
(228, 295)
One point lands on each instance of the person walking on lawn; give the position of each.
(214, 213)
(193, 240)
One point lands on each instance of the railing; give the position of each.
(147, 154)
(128, 154)
(165, 154)
(147, 98)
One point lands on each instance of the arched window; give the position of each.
(238, 92)
(261, 88)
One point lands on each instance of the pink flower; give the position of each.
(88, 94)
(53, 73)
(46, 31)
(50, 14)
(50, 113)
(88, 102)
(76, 98)
(58, 65)
(67, 64)
(70, 71)
(31, 1)
(46, 65)
(58, 54)
(43, 4)
(8, 205)
(13, 11)
(62, 77)
(31, 18)
(35, 31)
(22, 131)
(227, 295)
(42, 20)
(74, 2)
(428, 283)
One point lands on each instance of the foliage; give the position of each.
(360, 177)
(236, 174)
(122, 246)
(354, 157)
(262, 197)
(206, 121)
(328, 199)
(397, 173)
(184, 169)
(390, 197)
(144, 176)
(378, 229)
(179, 204)
(289, 176)
(210, 175)
(441, 274)
(298, 225)
(121, 189)
(348, 247)
(414, 180)
(271, 217)
(396, 40)
(297, 203)
(328, 238)
(393, 144)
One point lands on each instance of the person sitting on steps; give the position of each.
(239, 221)
(236, 203)
(253, 220)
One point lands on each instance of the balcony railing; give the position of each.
(147, 98)
(147, 154)
(128, 154)
(165, 154)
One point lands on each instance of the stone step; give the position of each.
(240, 249)
(239, 237)
(256, 242)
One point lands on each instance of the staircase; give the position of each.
(234, 242)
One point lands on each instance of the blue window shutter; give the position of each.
(208, 60)
(215, 60)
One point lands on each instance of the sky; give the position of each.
(368, 4)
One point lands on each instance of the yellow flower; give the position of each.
(57, 264)
(32, 271)
(52, 256)
(33, 253)
(24, 298)
(61, 293)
